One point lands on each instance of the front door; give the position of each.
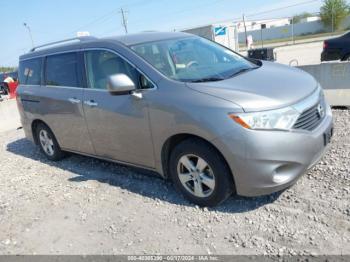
(118, 124)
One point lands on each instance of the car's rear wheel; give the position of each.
(48, 143)
(347, 57)
(200, 173)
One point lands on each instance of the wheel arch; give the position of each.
(172, 141)
(34, 126)
(346, 57)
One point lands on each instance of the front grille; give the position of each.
(311, 118)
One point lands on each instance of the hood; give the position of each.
(271, 86)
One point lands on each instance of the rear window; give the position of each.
(30, 72)
(62, 70)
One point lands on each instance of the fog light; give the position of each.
(285, 173)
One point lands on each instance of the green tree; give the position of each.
(6, 69)
(333, 13)
(299, 17)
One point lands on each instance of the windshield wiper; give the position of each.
(214, 79)
(208, 79)
(244, 70)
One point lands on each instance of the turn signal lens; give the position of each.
(279, 119)
(239, 120)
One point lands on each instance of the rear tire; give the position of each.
(48, 143)
(346, 58)
(200, 173)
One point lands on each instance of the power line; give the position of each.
(106, 16)
(114, 30)
(139, 21)
(102, 17)
(267, 20)
(239, 18)
(282, 8)
(140, 3)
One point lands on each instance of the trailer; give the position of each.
(225, 34)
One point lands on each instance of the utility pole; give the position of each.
(333, 17)
(262, 27)
(245, 31)
(30, 33)
(124, 20)
(293, 39)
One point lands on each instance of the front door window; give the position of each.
(101, 64)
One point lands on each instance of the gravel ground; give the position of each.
(86, 206)
(9, 116)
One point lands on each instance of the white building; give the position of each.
(256, 25)
(310, 19)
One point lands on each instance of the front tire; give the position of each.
(48, 143)
(200, 173)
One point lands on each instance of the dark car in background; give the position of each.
(337, 48)
(3, 88)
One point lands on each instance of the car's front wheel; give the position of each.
(48, 143)
(200, 173)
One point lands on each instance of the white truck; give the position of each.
(225, 34)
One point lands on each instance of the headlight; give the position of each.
(281, 119)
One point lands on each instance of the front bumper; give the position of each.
(264, 162)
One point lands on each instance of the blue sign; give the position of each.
(220, 30)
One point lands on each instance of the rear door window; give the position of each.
(62, 70)
(30, 72)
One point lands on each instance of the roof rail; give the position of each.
(81, 39)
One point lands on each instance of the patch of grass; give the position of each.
(296, 38)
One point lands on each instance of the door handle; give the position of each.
(90, 103)
(73, 100)
(137, 95)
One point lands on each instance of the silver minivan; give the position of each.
(212, 121)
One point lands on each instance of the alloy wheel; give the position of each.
(46, 142)
(196, 176)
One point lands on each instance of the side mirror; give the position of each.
(120, 84)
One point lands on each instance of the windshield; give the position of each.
(193, 59)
